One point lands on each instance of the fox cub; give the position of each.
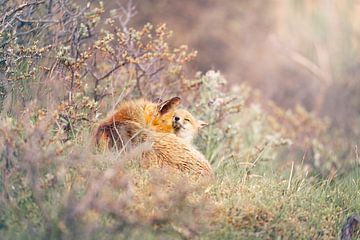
(168, 129)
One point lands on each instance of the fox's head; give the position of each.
(159, 117)
(185, 125)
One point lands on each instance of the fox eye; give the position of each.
(187, 120)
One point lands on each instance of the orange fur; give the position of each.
(157, 117)
(140, 121)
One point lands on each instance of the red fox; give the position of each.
(141, 121)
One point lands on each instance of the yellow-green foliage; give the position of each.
(272, 179)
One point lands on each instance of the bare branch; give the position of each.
(36, 20)
(21, 7)
(110, 72)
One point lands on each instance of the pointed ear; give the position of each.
(167, 105)
(202, 124)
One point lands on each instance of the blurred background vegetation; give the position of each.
(297, 53)
(278, 82)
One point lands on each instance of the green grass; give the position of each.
(266, 204)
(55, 185)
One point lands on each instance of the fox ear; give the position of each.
(165, 106)
(202, 124)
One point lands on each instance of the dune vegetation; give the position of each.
(280, 172)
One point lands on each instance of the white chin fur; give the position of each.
(186, 135)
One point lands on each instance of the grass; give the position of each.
(79, 195)
(54, 188)
(308, 209)
(279, 173)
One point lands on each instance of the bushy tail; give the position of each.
(350, 226)
(109, 134)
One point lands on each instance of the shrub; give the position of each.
(65, 65)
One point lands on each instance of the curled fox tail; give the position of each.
(119, 134)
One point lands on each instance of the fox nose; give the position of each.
(176, 119)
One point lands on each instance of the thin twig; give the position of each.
(36, 20)
(291, 176)
(21, 7)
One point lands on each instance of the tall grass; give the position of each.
(55, 184)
